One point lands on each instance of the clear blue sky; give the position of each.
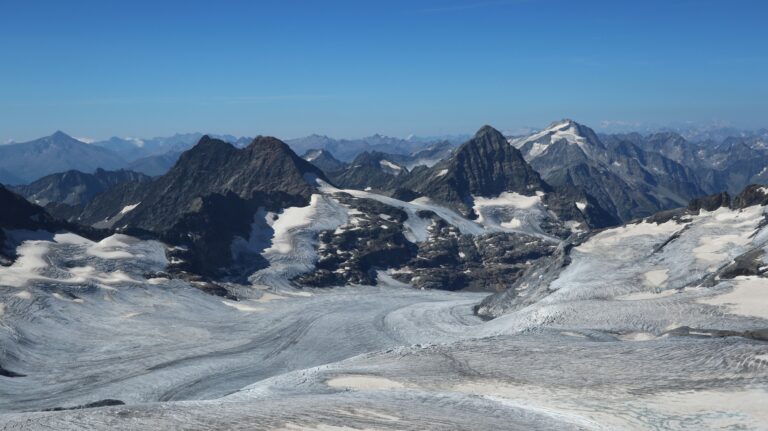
(353, 68)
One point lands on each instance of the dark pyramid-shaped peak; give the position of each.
(266, 165)
(270, 142)
(207, 152)
(59, 136)
(488, 132)
(486, 165)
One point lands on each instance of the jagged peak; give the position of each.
(489, 131)
(269, 142)
(565, 123)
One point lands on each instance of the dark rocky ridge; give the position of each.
(447, 260)
(74, 187)
(370, 169)
(209, 197)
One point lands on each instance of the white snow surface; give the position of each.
(293, 250)
(390, 167)
(129, 208)
(621, 338)
(541, 141)
(512, 212)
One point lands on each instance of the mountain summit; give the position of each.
(486, 165)
(209, 197)
(59, 152)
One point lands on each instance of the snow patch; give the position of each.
(748, 297)
(128, 208)
(390, 167)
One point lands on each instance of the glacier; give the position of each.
(657, 324)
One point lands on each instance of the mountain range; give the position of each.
(218, 200)
(501, 286)
(627, 175)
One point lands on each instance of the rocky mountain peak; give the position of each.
(486, 165)
(59, 135)
(488, 132)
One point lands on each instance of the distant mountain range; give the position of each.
(218, 203)
(629, 175)
(347, 149)
(29, 161)
(469, 217)
(24, 162)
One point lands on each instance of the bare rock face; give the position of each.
(446, 260)
(210, 196)
(370, 170)
(450, 260)
(752, 195)
(74, 187)
(486, 166)
(710, 203)
(352, 255)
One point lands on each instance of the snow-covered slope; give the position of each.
(632, 334)
(567, 131)
(625, 180)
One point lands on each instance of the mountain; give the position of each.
(428, 156)
(264, 213)
(59, 152)
(625, 179)
(131, 149)
(669, 144)
(441, 308)
(75, 187)
(483, 166)
(324, 160)
(728, 164)
(210, 196)
(370, 170)
(155, 156)
(736, 164)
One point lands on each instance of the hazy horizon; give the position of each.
(349, 69)
(609, 128)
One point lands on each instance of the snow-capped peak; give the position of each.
(313, 154)
(390, 167)
(564, 130)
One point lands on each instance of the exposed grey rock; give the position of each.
(484, 166)
(209, 197)
(370, 170)
(625, 179)
(74, 187)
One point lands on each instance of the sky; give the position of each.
(290, 68)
